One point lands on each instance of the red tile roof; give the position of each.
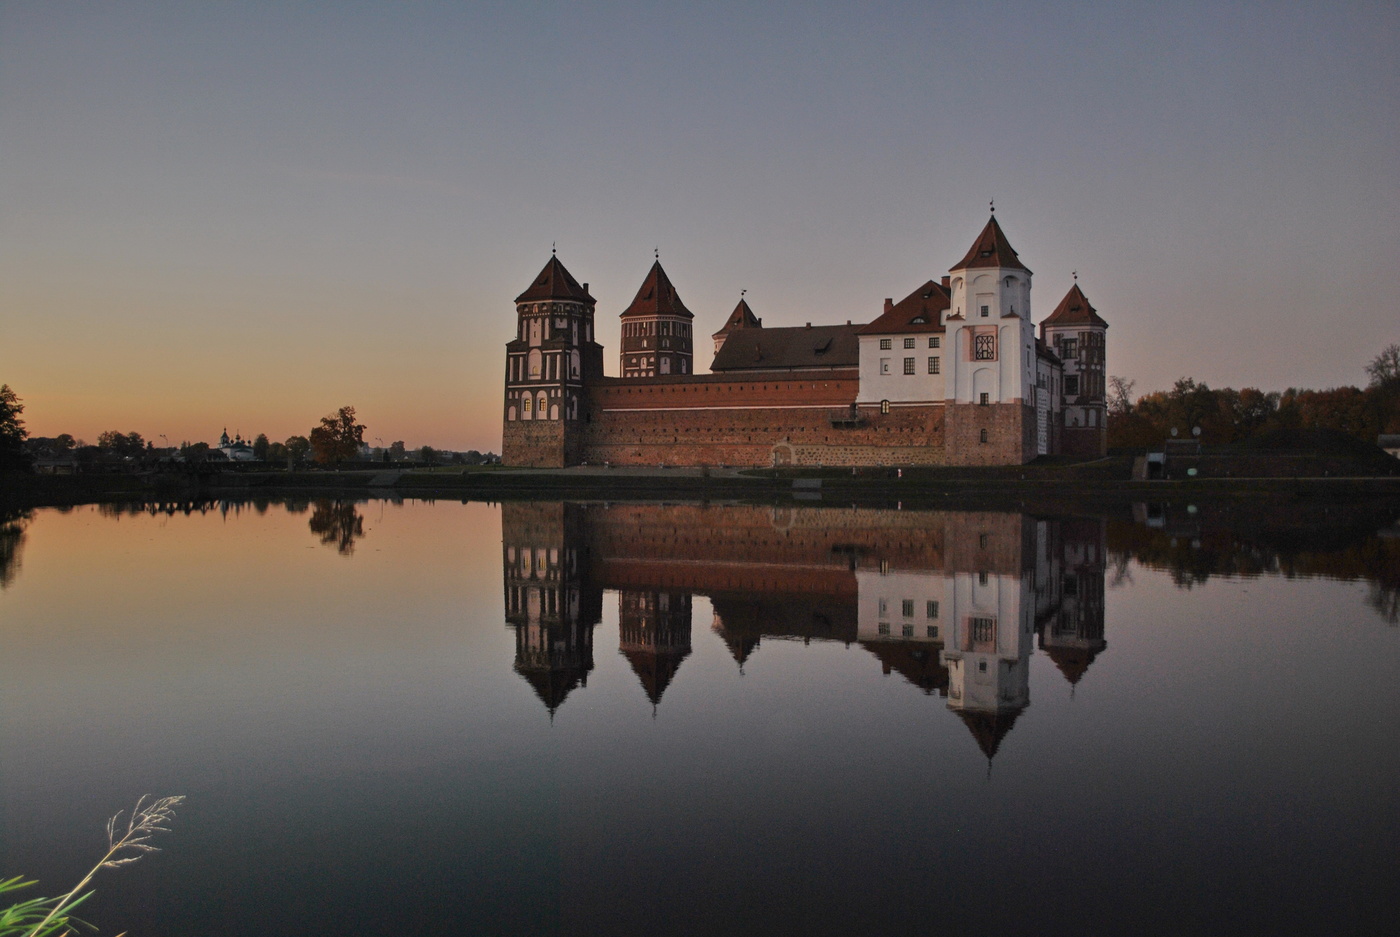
(657, 297)
(1075, 309)
(815, 346)
(917, 312)
(991, 249)
(741, 318)
(554, 282)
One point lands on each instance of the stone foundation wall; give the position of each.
(1085, 441)
(1011, 434)
(539, 444)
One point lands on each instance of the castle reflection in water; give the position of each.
(951, 601)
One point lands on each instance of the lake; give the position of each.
(544, 717)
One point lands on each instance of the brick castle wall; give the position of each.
(1085, 441)
(539, 443)
(720, 420)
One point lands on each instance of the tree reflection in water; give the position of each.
(337, 523)
(12, 525)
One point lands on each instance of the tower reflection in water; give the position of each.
(951, 601)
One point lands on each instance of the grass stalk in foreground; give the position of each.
(124, 846)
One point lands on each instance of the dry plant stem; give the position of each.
(145, 821)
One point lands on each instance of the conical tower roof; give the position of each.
(655, 669)
(554, 282)
(1075, 309)
(991, 249)
(657, 297)
(988, 728)
(741, 318)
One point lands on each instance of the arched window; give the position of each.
(525, 408)
(982, 436)
(884, 406)
(536, 360)
(541, 404)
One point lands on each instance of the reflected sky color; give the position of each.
(354, 731)
(248, 215)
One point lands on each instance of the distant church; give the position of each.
(953, 374)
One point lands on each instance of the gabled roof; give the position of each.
(991, 249)
(820, 346)
(657, 297)
(917, 312)
(741, 318)
(554, 282)
(1075, 309)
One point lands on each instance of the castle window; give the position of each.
(884, 627)
(983, 399)
(933, 631)
(908, 343)
(1069, 348)
(907, 607)
(884, 607)
(933, 342)
(981, 435)
(907, 631)
(885, 344)
(986, 311)
(932, 612)
(908, 365)
(933, 364)
(884, 406)
(984, 347)
(884, 366)
(1071, 385)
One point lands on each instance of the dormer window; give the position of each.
(918, 320)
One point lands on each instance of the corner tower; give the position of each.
(656, 330)
(989, 374)
(552, 358)
(1077, 334)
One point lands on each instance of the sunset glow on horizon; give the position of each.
(246, 216)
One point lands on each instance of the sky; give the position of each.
(249, 214)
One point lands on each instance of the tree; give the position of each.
(276, 452)
(1384, 369)
(121, 444)
(12, 431)
(297, 447)
(1120, 395)
(428, 454)
(339, 437)
(397, 451)
(260, 446)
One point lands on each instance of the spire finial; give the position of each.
(656, 252)
(742, 293)
(1075, 274)
(993, 206)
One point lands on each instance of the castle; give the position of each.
(953, 374)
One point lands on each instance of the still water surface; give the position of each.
(546, 718)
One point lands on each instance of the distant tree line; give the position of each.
(1227, 415)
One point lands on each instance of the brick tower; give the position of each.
(549, 362)
(656, 330)
(1077, 334)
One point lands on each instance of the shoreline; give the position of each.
(829, 486)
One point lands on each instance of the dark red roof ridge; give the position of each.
(927, 302)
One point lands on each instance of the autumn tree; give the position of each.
(297, 447)
(1384, 369)
(12, 431)
(338, 438)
